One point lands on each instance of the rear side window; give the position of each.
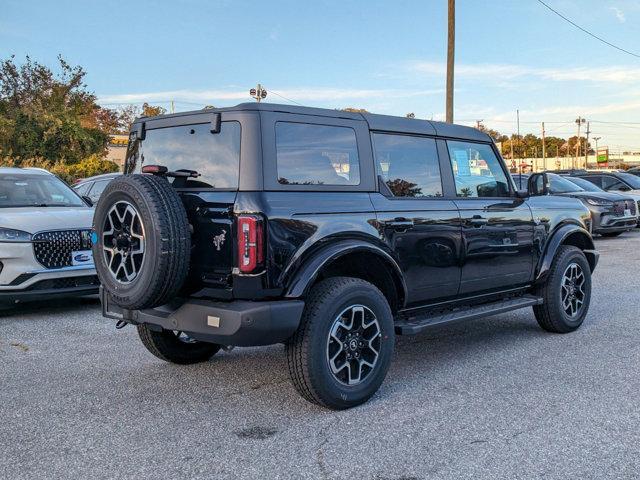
(215, 156)
(477, 171)
(309, 154)
(408, 165)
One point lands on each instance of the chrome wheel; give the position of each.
(572, 291)
(353, 345)
(123, 242)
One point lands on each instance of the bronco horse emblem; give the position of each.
(218, 240)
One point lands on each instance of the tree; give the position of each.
(127, 114)
(403, 188)
(47, 115)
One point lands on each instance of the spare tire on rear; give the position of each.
(142, 244)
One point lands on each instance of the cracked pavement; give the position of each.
(494, 398)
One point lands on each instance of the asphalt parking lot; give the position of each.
(495, 398)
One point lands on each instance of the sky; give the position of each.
(386, 56)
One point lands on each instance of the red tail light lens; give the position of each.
(250, 243)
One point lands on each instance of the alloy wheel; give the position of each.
(572, 291)
(353, 345)
(123, 242)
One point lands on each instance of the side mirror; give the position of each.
(522, 193)
(538, 184)
(88, 200)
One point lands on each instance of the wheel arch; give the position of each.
(568, 234)
(351, 258)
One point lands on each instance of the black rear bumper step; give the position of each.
(419, 323)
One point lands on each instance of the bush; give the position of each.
(88, 167)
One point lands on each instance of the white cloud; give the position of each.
(302, 94)
(497, 71)
(619, 14)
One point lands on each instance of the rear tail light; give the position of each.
(250, 243)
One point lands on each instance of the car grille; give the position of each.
(620, 206)
(53, 249)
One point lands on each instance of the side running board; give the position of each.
(410, 325)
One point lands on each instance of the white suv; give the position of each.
(45, 238)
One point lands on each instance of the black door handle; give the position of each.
(400, 224)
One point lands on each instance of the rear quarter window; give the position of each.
(311, 154)
(215, 156)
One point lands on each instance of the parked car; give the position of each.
(93, 187)
(621, 182)
(45, 238)
(328, 231)
(634, 171)
(611, 213)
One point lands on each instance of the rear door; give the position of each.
(497, 227)
(417, 223)
(187, 143)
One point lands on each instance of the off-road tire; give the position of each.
(167, 241)
(550, 314)
(167, 346)
(611, 234)
(307, 349)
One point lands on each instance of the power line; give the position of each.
(588, 32)
(282, 96)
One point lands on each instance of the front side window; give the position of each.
(97, 189)
(612, 183)
(215, 156)
(408, 165)
(477, 171)
(558, 184)
(309, 154)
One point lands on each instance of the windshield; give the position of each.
(629, 179)
(585, 184)
(37, 190)
(558, 184)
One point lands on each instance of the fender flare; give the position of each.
(300, 281)
(557, 239)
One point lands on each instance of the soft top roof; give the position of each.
(387, 123)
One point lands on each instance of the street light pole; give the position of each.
(451, 40)
(595, 139)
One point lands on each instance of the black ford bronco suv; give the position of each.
(331, 232)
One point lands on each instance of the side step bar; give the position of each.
(410, 325)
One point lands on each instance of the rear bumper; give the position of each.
(236, 323)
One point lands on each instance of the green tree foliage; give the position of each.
(50, 116)
(87, 167)
(126, 116)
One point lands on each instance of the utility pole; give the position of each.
(259, 93)
(479, 124)
(518, 137)
(173, 110)
(579, 121)
(544, 150)
(513, 160)
(451, 40)
(586, 146)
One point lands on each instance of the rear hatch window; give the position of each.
(215, 156)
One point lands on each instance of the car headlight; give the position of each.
(599, 202)
(12, 235)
